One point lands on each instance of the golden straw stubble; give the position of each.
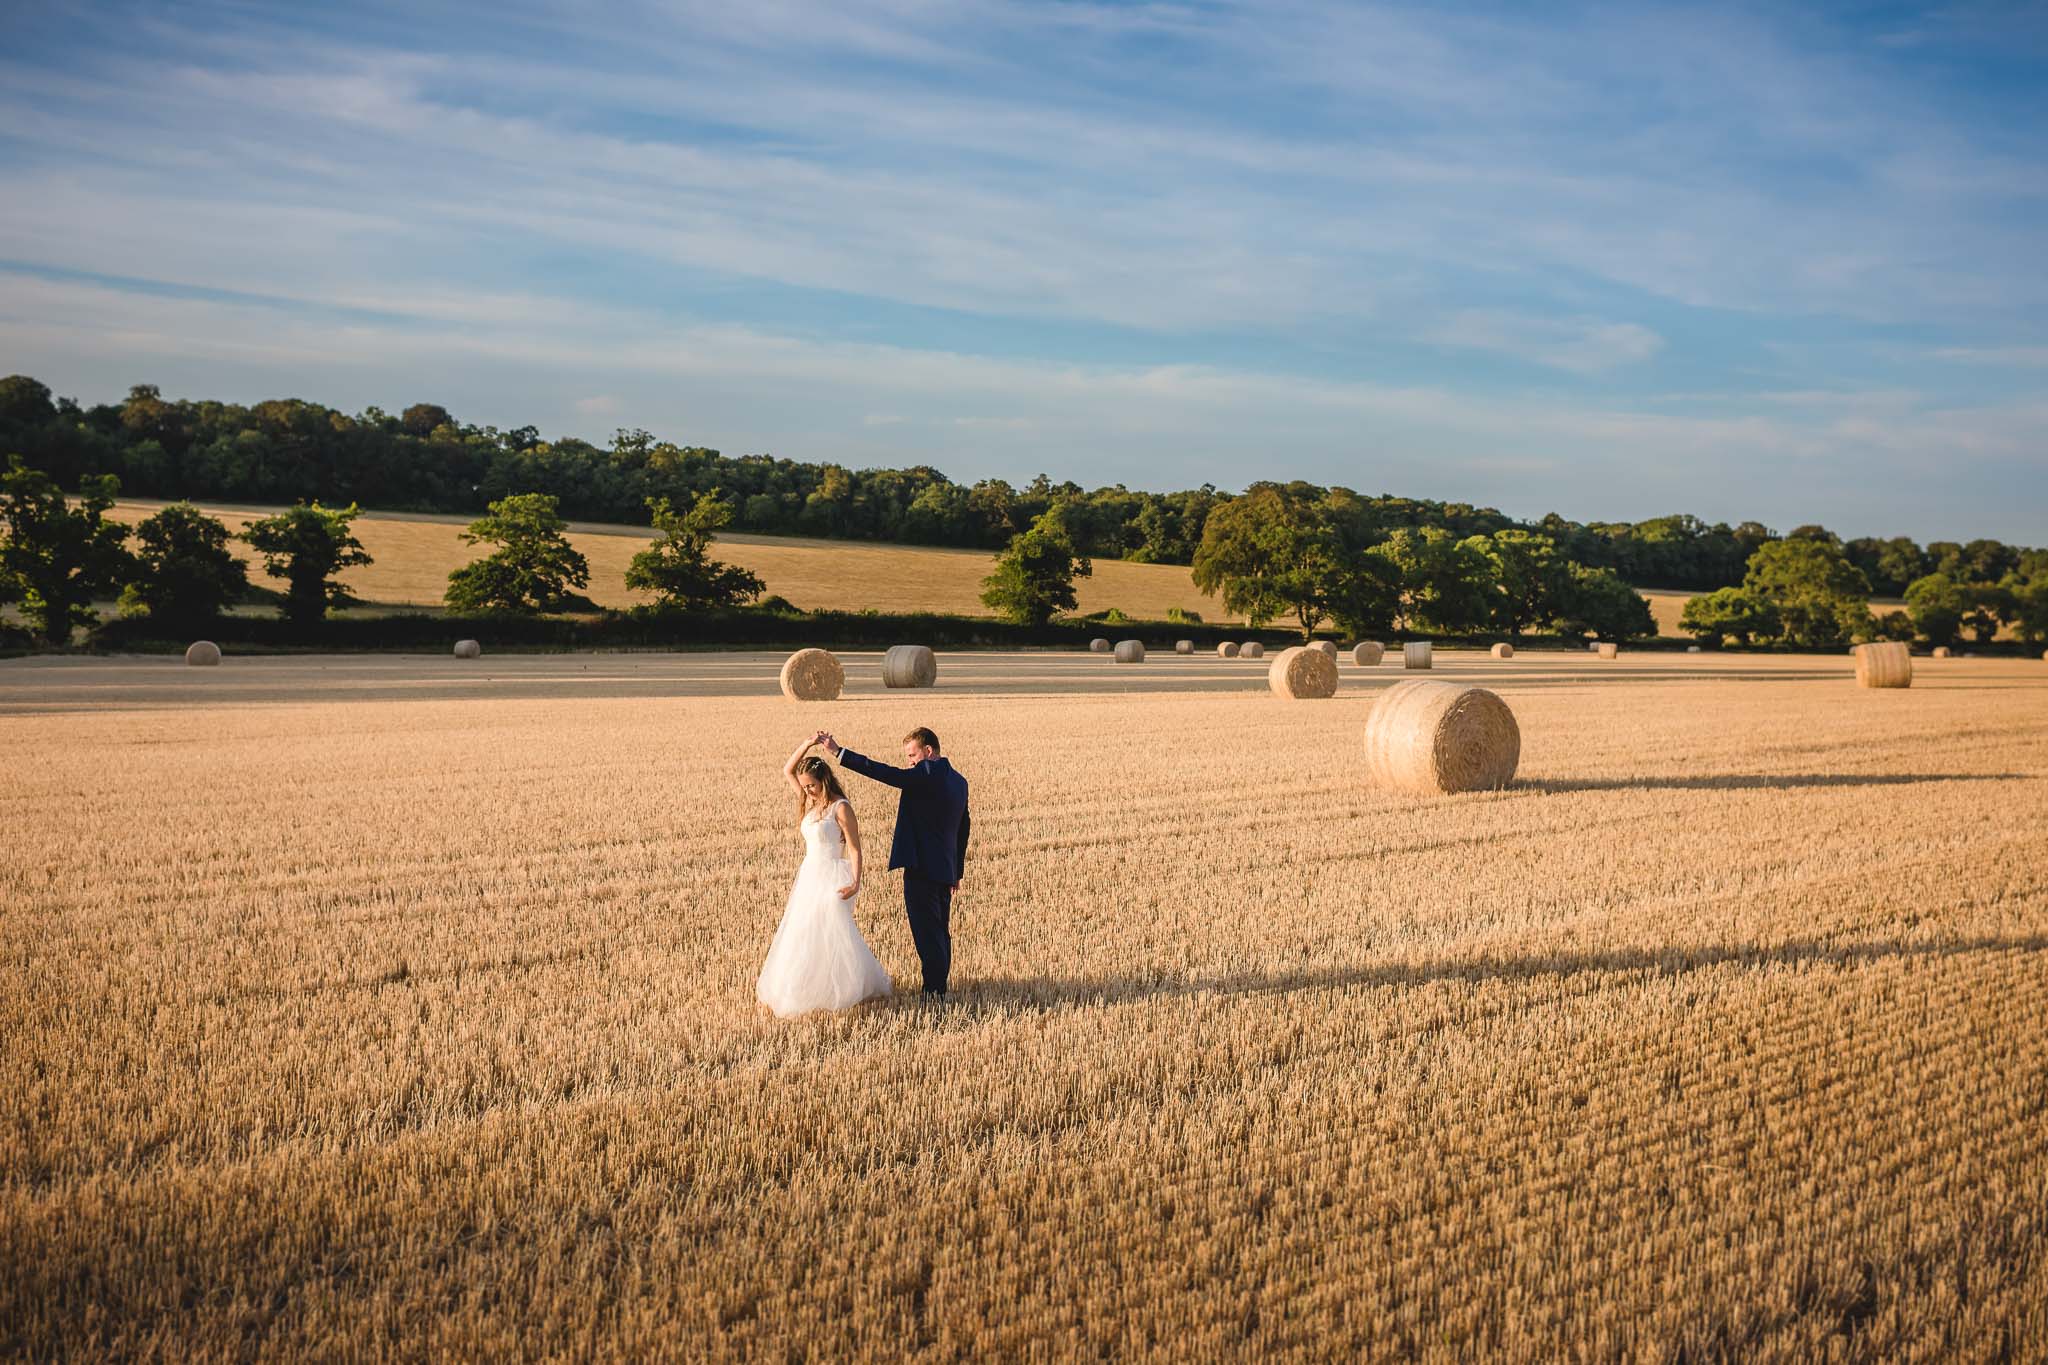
(1435, 738)
(812, 675)
(1303, 672)
(1884, 663)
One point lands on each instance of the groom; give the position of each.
(931, 842)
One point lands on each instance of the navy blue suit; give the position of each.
(931, 848)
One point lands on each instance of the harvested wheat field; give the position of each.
(404, 1006)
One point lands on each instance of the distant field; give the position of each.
(416, 551)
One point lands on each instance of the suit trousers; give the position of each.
(929, 907)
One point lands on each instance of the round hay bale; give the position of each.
(812, 675)
(1884, 664)
(1328, 647)
(909, 666)
(1098, 646)
(1940, 651)
(2044, 656)
(1303, 672)
(468, 649)
(1692, 649)
(1503, 650)
(1431, 738)
(1418, 655)
(202, 654)
(1610, 651)
(1183, 646)
(1253, 650)
(1592, 646)
(1130, 651)
(1368, 653)
(1226, 650)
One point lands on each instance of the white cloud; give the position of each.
(1581, 345)
(2017, 357)
(1148, 425)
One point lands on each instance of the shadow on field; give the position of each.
(997, 993)
(1757, 781)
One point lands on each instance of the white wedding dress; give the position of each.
(818, 960)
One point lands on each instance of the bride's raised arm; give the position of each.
(789, 768)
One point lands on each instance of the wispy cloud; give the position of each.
(2018, 357)
(1526, 453)
(1581, 345)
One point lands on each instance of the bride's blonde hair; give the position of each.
(828, 782)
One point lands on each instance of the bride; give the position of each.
(818, 960)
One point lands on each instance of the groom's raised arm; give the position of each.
(880, 772)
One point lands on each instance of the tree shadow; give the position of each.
(1007, 994)
(1755, 781)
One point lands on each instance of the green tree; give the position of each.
(1277, 550)
(534, 568)
(185, 573)
(1987, 606)
(1364, 595)
(1442, 583)
(678, 568)
(1600, 602)
(1035, 576)
(1526, 581)
(57, 556)
(1937, 603)
(307, 545)
(2029, 606)
(1821, 598)
(1730, 614)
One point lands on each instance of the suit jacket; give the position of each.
(931, 815)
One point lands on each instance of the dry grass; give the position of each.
(415, 552)
(423, 1024)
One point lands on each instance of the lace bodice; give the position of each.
(821, 834)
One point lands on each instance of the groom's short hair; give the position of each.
(924, 737)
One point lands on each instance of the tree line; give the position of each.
(1281, 551)
(423, 459)
(60, 555)
(1323, 557)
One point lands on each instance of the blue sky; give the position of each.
(1782, 262)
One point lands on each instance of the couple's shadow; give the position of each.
(1003, 994)
(1753, 781)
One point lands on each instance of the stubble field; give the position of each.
(389, 1006)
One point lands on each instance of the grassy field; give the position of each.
(415, 553)
(394, 1006)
